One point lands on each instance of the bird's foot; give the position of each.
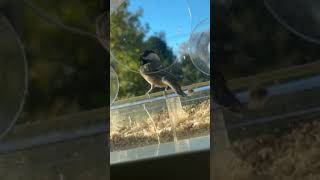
(147, 94)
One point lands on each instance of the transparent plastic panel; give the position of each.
(149, 47)
(261, 143)
(268, 52)
(163, 125)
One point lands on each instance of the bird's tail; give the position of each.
(181, 93)
(176, 87)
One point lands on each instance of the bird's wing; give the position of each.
(169, 75)
(149, 69)
(152, 68)
(173, 84)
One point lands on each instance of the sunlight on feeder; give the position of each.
(152, 122)
(175, 113)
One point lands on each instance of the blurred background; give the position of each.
(66, 70)
(250, 40)
(164, 27)
(269, 53)
(53, 84)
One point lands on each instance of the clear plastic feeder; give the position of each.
(161, 125)
(261, 142)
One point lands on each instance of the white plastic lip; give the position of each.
(161, 150)
(288, 87)
(114, 107)
(243, 96)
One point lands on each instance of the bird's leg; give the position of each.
(150, 90)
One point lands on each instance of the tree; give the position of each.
(129, 40)
(66, 70)
(126, 43)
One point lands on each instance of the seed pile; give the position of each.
(193, 122)
(294, 156)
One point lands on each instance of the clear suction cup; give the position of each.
(13, 76)
(199, 46)
(301, 17)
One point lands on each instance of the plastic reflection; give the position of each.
(75, 16)
(13, 76)
(114, 5)
(114, 85)
(301, 17)
(199, 46)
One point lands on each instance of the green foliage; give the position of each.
(67, 71)
(128, 40)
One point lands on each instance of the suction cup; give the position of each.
(13, 76)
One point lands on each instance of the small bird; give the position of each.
(152, 71)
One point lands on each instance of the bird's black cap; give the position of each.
(144, 55)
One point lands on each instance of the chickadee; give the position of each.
(150, 70)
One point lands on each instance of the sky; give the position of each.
(172, 17)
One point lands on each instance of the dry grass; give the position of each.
(294, 156)
(193, 122)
